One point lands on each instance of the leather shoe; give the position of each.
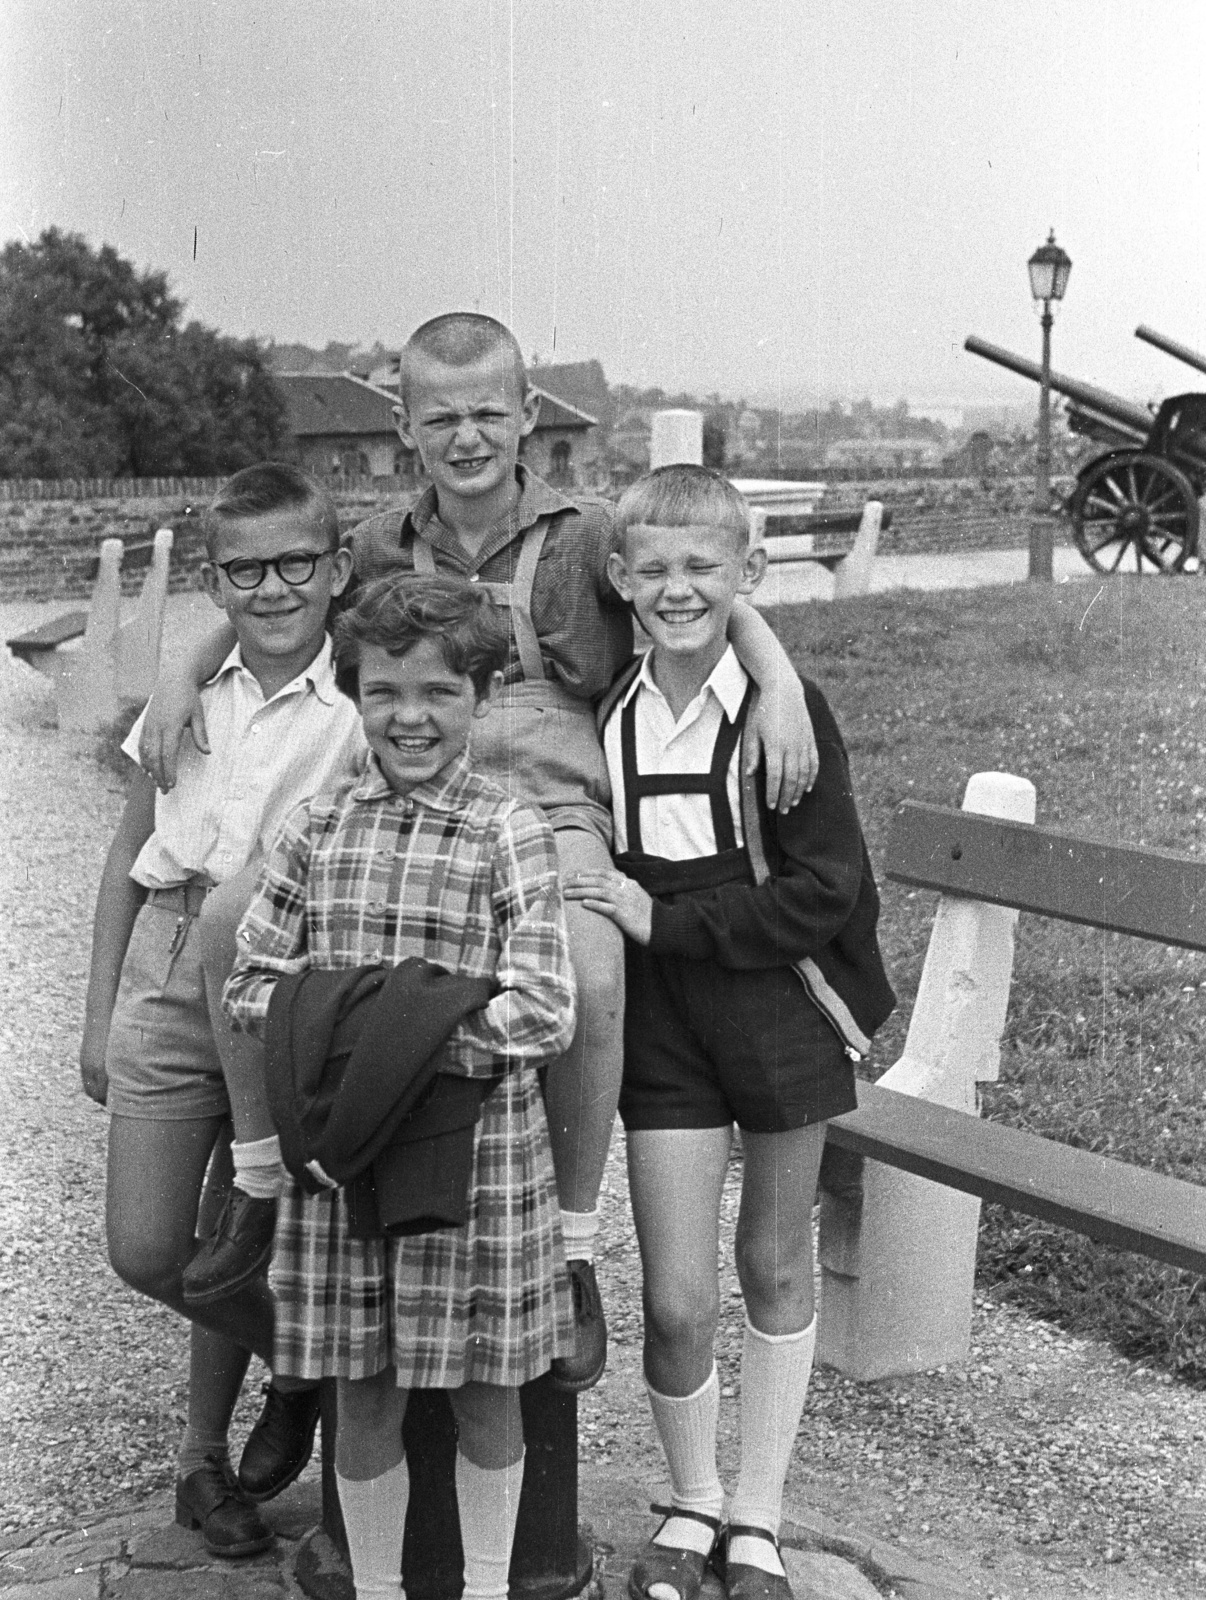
(279, 1445)
(585, 1367)
(210, 1499)
(742, 1581)
(240, 1249)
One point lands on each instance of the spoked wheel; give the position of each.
(1135, 513)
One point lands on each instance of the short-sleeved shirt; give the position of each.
(584, 627)
(266, 757)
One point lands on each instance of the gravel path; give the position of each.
(1048, 1467)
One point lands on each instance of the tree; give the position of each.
(98, 379)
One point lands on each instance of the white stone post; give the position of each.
(85, 688)
(676, 436)
(852, 575)
(897, 1272)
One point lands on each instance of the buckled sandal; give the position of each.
(683, 1570)
(741, 1581)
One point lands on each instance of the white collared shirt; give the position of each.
(267, 756)
(677, 826)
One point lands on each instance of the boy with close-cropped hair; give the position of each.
(754, 980)
(466, 405)
(156, 1046)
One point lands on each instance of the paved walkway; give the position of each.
(140, 1554)
(791, 582)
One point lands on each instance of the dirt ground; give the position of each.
(1047, 1467)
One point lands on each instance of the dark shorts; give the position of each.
(705, 1046)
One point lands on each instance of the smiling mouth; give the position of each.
(469, 463)
(681, 617)
(413, 746)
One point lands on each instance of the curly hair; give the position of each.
(399, 611)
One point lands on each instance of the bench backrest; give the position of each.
(1151, 894)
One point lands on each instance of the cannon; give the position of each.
(1141, 497)
(1171, 347)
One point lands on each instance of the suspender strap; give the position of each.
(517, 594)
(713, 783)
(527, 642)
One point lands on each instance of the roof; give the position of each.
(321, 403)
(556, 413)
(580, 384)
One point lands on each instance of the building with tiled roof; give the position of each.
(342, 425)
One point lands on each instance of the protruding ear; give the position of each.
(530, 413)
(402, 427)
(753, 569)
(618, 573)
(211, 582)
(341, 568)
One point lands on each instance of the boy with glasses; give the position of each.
(157, 1048)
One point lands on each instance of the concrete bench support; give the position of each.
(116, 663)
(851, 568)
(898, 1268)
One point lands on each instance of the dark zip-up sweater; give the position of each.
(813, 906)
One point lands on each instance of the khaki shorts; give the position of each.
(161, 1059)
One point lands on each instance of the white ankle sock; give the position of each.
(775, 1369)
(374, 1514)
(579, 1230)
(196, 1448)
(488, 1501)
(259, 1170)
(686, 1425)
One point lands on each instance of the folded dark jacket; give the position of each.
(352, 1063)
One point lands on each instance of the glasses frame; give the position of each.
(272, 565)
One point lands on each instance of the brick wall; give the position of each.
(46, 543)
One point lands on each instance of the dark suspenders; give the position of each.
(713, 783)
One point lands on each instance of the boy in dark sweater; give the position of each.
(754, 981)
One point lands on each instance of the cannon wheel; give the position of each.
(1132, 511)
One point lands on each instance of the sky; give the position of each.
(776, 199)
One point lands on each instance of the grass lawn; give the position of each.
(1097, 693)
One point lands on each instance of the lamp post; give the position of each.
(1049, 267)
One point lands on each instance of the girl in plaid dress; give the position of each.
(422, 857)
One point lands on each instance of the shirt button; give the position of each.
(376, 905)
(473, 577)
(372, 957)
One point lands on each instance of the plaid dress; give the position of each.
(458, 873)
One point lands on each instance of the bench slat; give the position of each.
(59, 630)
(1111, 1201)
(1152, 894)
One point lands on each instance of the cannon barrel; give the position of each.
(1181, 352)
(1113, 406)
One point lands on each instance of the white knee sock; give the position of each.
(488, 1501)
(686, 1425)
(775, 1369)
(579, 1230)
(374, 1514)
(259, 1170)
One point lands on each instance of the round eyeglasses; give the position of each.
(295, 567)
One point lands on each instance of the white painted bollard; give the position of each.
(852, 575)
(116, 663)
(676, 436)
(898, 1272)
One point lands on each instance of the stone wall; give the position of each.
(46, 545)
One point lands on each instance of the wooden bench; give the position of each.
(1149, 894)
(116, 663)
(850, 562)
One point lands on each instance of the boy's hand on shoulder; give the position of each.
(613, 895)
(173, 709)
(783, 733)
(92, 1061)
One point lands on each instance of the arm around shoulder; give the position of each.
(118, 903)
(175, 706)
